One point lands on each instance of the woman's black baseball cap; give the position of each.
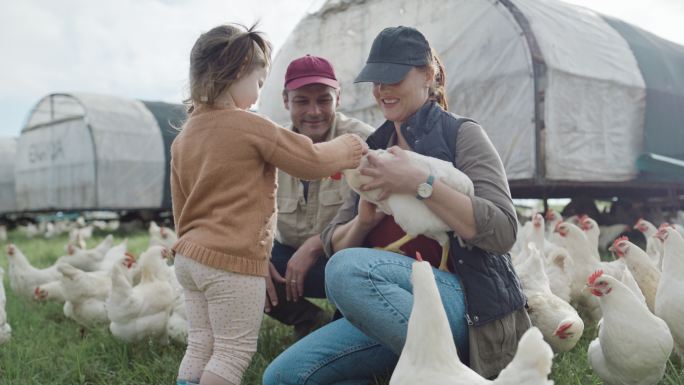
(394, 52)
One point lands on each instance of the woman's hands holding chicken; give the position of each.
(393, 175)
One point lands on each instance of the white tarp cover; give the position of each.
(8, 150)
(594, 99)
(110, 157)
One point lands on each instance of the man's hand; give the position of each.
(299, 265)
(271, 294)
(368, 214)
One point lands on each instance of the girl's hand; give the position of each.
(393, 175)
(364, 145)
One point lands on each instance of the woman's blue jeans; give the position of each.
(372, 289)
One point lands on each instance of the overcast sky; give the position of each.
(139, 48)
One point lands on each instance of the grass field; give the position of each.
(47, 348)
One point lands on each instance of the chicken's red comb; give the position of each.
(594, 276)
(558, 225)
(620, 239)
(561, 329)
(664, 225)
(131, 256)
(36, 291)
(419, 257)
(585, 223)
(638, 221)
(583, 217)
(336, 176)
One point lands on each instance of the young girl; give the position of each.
(223, 183)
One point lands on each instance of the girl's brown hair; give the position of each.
(437, 91)
(221, 56)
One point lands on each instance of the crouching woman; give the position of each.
(371, 288)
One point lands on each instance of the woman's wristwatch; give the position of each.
(425, 188)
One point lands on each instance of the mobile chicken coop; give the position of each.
(95, 152)
(8, 151)
(574, 101)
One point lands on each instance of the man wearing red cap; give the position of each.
(312, 95)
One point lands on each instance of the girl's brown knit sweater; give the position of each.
(223, 183)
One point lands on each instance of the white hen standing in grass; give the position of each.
(553, 218)
(5, 328)
(24, 278)
(51, 291)
(559, 322)
(411, 214)
(161, 236)
(557, 260)
(654, 248)
(142, 311)
(669, 303)
(90, 259)
(85, 294)
(646, 275)
(633, 345)
(429, 356)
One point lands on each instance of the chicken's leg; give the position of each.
(445, 256)
(394, 246)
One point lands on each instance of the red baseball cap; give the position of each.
(310, 70)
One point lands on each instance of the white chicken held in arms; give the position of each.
(411, 214)
(633, 345)
(429, 356)
(669, 302)
(142, 311)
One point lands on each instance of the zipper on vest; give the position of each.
(470, 322)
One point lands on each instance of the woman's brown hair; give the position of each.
(437, 91)
(221, 56)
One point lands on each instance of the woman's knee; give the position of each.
(347, 263)
(279, 372)
(342, 267)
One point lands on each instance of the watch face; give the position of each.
(424, 190)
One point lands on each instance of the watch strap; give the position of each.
(430, 179)
(429, 182)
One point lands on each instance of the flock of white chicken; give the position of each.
(636, 299)
(137, 298)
